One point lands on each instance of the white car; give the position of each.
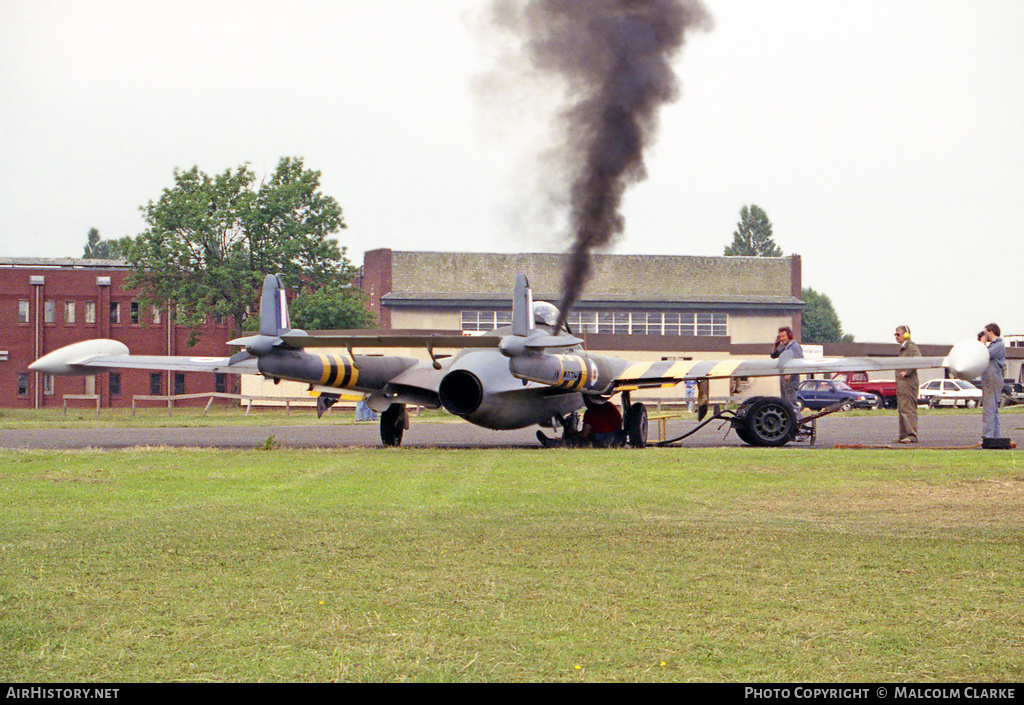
(949, 391)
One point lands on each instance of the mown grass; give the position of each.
(490, 565)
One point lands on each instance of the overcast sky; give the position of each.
(884, 138)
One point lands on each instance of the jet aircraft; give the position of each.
(514, 377)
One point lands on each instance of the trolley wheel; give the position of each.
(769, 421)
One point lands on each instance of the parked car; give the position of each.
(1013, 392)
(954, 392)
(860, 382)
(821, 393)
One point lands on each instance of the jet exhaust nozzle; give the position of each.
(461, 392)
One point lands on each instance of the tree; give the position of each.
(753, 235)
(820, 322)
(330, 308)
(212, 239)
(97, 248)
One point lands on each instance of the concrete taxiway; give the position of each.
(939, 430)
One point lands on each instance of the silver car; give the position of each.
(952, 392)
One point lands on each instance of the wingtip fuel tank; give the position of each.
(66, 361)
(967, 360)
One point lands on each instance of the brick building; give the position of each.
(48, 303)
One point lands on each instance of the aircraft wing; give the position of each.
(392, 340)
(668, 373)
(172, 363)
(94, 356)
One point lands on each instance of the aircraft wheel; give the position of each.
(636, 425)
(393, 422)
(744, 434)
(770, 422)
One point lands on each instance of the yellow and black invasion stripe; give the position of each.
(338, 371)
(668, 373)
(574, 373)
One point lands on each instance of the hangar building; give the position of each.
(740, 299)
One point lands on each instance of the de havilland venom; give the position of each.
(514, 377)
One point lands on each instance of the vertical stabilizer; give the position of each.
(522, 307)
(274, 319)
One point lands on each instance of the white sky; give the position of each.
(884, 138)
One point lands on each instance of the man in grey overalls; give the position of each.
(786, 349)
(992, 382)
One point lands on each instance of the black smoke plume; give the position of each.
(615, 58)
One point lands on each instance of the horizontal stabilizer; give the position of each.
(541, 340)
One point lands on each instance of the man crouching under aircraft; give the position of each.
(602, 428)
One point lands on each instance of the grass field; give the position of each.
(484, 565)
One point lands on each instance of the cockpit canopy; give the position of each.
(545, 313)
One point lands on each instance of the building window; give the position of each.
(115, 311)
(90, 311)
(69, 312)
(221, 383)
(155, 383)
(115, 384)
(626, 322)
(133, 312)
(485, 320)
(49, 311)
(48, 384)
(156, 315)
(23, 311)
(179, 382)
(23, 384)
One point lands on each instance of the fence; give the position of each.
(245, 400)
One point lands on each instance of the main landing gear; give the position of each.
(633, 432)
(394, 420)
(634, 421)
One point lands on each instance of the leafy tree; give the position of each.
(820, 322)
(97, 248)
(330, 308)
(212, 239)
(753, 235)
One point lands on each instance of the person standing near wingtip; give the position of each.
(992, 381)
(907, 388)
(785, 349)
